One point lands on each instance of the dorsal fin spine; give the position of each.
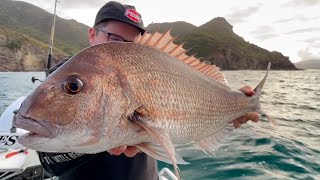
(192, 58)
(204, 68)
(164, 42)
(174, 49)
(193, 62)
(149, 39)
(181, 53)
(211, 72)
(160, 39)
(165, 46)
(199, 66)
(189, 57)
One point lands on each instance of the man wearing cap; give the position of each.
(114, 22)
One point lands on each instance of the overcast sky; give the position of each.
(291, 27)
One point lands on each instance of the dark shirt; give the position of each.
(77, 166)
(69, 166)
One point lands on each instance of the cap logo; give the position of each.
(133, 15)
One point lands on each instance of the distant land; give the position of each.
(308, 64)
(25, 30)
(217, 44)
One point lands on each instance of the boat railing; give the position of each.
(166, 171)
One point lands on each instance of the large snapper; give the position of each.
(148, 94)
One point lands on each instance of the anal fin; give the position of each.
(212, 143)
(158, 152)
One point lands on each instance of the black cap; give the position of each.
(120, 12)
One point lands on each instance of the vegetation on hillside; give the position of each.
(216, 43)
(16, 40)
(177, 28)
(70, 36)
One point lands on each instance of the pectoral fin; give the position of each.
(165, 150)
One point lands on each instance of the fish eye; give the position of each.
(72, 85)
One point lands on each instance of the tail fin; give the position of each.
(258, 91)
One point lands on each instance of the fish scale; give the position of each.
(167, 78)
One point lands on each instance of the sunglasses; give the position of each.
(111, 36)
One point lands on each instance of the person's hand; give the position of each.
(129, 151)
(253, 116)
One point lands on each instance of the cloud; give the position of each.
(241, 15)
(72, 4)
(313, 40)
(297, 18)
(312, 29)
(301, 3)
(263, 37)
(310, 52)
(284, 20)
(314, 43)
(304, 54)
(264, 32)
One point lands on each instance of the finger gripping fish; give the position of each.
(148, 94)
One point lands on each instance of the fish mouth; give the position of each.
(37, 129)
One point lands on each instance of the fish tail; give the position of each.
(258, 91)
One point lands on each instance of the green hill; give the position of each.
(216, 42)
(177, 28)
(70, 36)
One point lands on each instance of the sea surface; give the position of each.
(255, 150)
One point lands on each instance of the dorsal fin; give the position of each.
(164, 42)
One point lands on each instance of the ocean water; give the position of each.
(255, 150)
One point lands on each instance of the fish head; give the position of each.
(77, 108)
